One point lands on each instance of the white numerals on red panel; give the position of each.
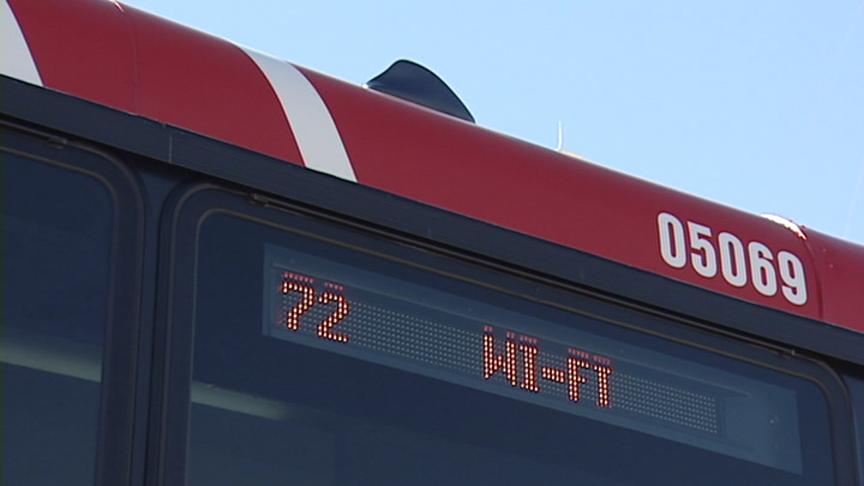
(724, 254)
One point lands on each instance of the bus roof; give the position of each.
(115, 55)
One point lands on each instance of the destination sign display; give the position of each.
(424, 329)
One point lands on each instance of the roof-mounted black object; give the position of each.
(412, 82)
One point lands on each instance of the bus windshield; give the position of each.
(322, 363)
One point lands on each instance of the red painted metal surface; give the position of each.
(447, 163)
(123, 58)
(133, 61)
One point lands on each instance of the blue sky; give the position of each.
(755, 104)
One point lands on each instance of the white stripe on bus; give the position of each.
(316, 134)
(15, 58)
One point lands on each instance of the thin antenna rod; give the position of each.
(560, 136)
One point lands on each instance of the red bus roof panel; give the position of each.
(132, 61)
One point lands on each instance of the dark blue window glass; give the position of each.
(315, 363)
(56, 237)
(856, 391)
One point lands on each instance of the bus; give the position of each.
(221, 269)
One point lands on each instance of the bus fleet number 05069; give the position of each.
(738, 264)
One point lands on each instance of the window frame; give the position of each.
(193, 205)
(120, 348)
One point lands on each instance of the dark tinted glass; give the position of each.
(856, 391)
(56, 227)
(318, 364)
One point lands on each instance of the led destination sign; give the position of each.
(518, 362)
(412, 326)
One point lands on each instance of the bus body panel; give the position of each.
(129, 60)
(121, 57)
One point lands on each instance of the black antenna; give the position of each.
(412, 82)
